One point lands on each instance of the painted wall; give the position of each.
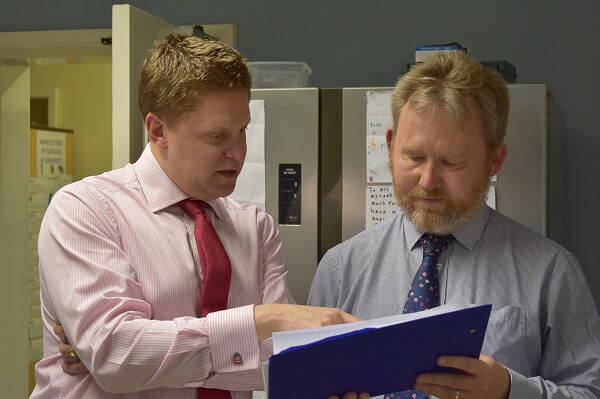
(361, 43)
(84, 104)
(14, 209)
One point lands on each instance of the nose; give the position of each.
(429, 179)
(236, 149)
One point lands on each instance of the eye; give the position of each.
(415, 158)
(216, 137)
(454, 163)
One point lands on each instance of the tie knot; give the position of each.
(192, 207)
(434, 244)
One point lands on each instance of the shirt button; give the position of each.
(237, 359)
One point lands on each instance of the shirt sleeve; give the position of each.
(88, 283)
(275, 290)
(570, 363)
(325, 287)
(243, 380)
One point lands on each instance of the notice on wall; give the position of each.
(250, 186)
(51, 153)
(379, 112)
(491, 197)
(378, 170)
(380, 204)
(379, 120)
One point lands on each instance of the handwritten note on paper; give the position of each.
(379, 112)
(380, 204)
(378, 170)
(379, 119)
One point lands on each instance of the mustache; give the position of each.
(420, 193)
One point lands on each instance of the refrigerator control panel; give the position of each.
(290, 193)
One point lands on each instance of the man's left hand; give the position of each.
(71, 363)
(483, 378)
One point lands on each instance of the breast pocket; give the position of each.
(505, 337)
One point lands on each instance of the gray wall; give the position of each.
(361, 43)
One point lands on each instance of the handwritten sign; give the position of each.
(379, 120)
(380, 204)
(378, 170)
(379, 112)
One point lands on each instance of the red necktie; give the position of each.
(216, 272)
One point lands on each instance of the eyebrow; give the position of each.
(415, 151)
(410, 150)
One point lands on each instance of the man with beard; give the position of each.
(446, 246)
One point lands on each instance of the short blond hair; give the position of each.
(449, 80)
(181, 68)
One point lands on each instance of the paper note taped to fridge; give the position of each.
(376, 356)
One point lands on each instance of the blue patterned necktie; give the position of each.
(425, 290)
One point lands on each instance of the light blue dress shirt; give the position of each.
(544, 327)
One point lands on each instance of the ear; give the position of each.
(497, 158)
(389, 139)
(156, 129)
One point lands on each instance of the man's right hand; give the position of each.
(280, 317)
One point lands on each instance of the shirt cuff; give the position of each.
(233, 340)
(522, 387)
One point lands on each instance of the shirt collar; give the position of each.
(218, 207)
(467, 235)
(411, 233)
(159, 189)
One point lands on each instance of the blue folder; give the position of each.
(376, 360)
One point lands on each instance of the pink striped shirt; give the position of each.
(120, 269)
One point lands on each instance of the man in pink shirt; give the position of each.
(119, 262)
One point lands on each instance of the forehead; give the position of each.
(436, 125)
(230, 105)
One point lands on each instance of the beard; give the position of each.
(454, 215)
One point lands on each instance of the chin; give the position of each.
(226, 192)
(431, 222)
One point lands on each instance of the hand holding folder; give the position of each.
(376, 356)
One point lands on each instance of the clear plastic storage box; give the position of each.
(279, 74)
